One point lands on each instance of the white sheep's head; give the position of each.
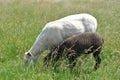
(29, 59)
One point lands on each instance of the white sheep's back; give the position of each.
(84, 17)
(56, 31)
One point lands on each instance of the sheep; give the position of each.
(75, 46)
(56, 31)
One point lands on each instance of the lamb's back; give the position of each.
(87, 38)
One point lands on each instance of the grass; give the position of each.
(21, 22)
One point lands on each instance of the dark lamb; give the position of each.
(83, 43)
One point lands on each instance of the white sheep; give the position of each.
(56, 31)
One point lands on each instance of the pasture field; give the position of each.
(22, 20)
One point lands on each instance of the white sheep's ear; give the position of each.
(28, 54)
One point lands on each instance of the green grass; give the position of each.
(22, 20)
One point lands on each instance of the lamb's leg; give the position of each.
(58, 54)
(56, 57)
(97, 58)
(72, 60)
(49, 56)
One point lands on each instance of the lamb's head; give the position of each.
(29, 58)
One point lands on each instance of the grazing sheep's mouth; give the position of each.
(29, 59)
(26, 61)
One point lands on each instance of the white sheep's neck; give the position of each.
(37, 47)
